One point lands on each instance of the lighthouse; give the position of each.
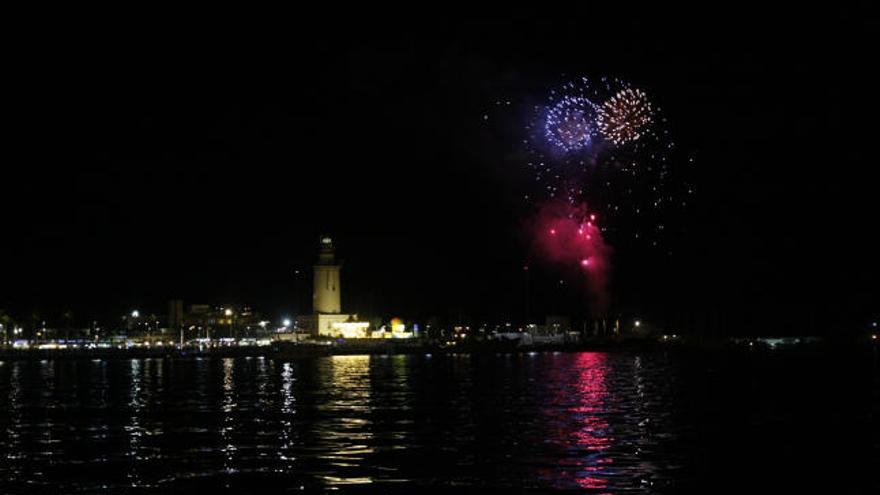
(326, 295)
(327, 318)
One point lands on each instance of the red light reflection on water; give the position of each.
(578, 424)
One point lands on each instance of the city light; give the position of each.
(228, 312)
(638, 323)
(286, 322)
(351, 329)
(135, 314)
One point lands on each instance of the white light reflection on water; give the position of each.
(47, 441)
(14, 452)
(229, 407)
(285, 450)
(133, 429)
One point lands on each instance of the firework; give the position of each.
(618, 157)
(602, 141)
(570, 123)
(624, 116)
(568, 235)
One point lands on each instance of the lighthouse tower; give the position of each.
(327, 318)
(326, 296)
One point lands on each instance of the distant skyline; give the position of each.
(143, 172)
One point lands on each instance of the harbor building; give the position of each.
(327, 318)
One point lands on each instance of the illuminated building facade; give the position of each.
(395, 330)
(209, 321)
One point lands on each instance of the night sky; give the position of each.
(148, 166)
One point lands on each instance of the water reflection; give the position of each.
(593, 437)
(229, 406)
(594, 422)
(14, 452)
(51, 404)
(98, 401)
(577, 415)
(134, 429)
(346, 429)
(286, 448)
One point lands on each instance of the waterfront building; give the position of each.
(208, 321)
(327, 318)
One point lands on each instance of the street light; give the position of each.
(286, 322)
(135, 314)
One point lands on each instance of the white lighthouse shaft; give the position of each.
(326, 296)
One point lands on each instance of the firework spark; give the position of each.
(570, 124)
(624, 116)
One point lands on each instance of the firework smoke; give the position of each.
(569, 236)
